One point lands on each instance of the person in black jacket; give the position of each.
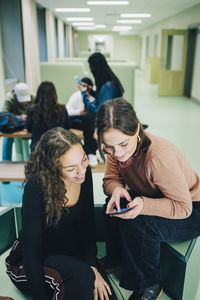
(46, 113)
(18, 103)
(55, 256)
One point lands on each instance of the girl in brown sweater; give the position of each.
(163, 196)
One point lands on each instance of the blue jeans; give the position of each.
(7, 148)
(140, 240)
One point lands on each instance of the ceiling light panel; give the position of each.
(121, 28)
(77, 19)
(108, 2)
(83, 23)
(135, 15)
(100, 26)
(72, 9)
(129, 21)
(85, 28)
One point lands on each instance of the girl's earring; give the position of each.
(138, 139)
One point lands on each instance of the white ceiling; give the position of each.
(108, 15)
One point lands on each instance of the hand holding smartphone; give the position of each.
(77, 79)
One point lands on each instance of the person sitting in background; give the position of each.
(46, 113)
(20, 100)
(75, 106)
(108, 87)
(56, 252)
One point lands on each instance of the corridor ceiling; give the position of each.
(109, 14)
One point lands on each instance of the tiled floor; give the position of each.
(174, 118)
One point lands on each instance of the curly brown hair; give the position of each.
(119, 114)
(44, 165)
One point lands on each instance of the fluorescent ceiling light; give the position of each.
(85, 28)
(135, 15)
(72, 9)
(129, 21)
(121, 28)
(83, 24)
(100, 26)
(108, 2)
(79, 19)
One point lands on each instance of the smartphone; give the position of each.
(77, 79)
(120, 211)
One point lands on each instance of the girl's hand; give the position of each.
(101, 288)
(137, 206)
(118, 192)
(82, 88)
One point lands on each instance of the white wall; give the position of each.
(124, 46)
(196, 72)
(179, 21)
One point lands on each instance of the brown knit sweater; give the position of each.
(162, 176)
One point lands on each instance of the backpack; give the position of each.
(9, 122)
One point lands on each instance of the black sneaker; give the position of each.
(106, 266)
(153, 292)
(135, 296)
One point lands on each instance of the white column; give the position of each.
(143, 56)
(31, 44)
(61, 38)
(51, 35)
(70, 41)
(2, 75)
(66, 39)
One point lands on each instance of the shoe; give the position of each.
(92, 160)
(135, 296)
(106, 266)
(153, 292)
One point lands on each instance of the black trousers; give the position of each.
(66, 278)
(86, 123)
(136, 244)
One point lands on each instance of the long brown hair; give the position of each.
(44, 165)
(46, 104)
(119, 114)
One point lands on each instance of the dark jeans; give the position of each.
(138, 241)
(86, 123)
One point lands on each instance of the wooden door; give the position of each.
(172, 62)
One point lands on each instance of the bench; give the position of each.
(21, 143)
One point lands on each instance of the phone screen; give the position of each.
(78, 80)
(120, 211)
